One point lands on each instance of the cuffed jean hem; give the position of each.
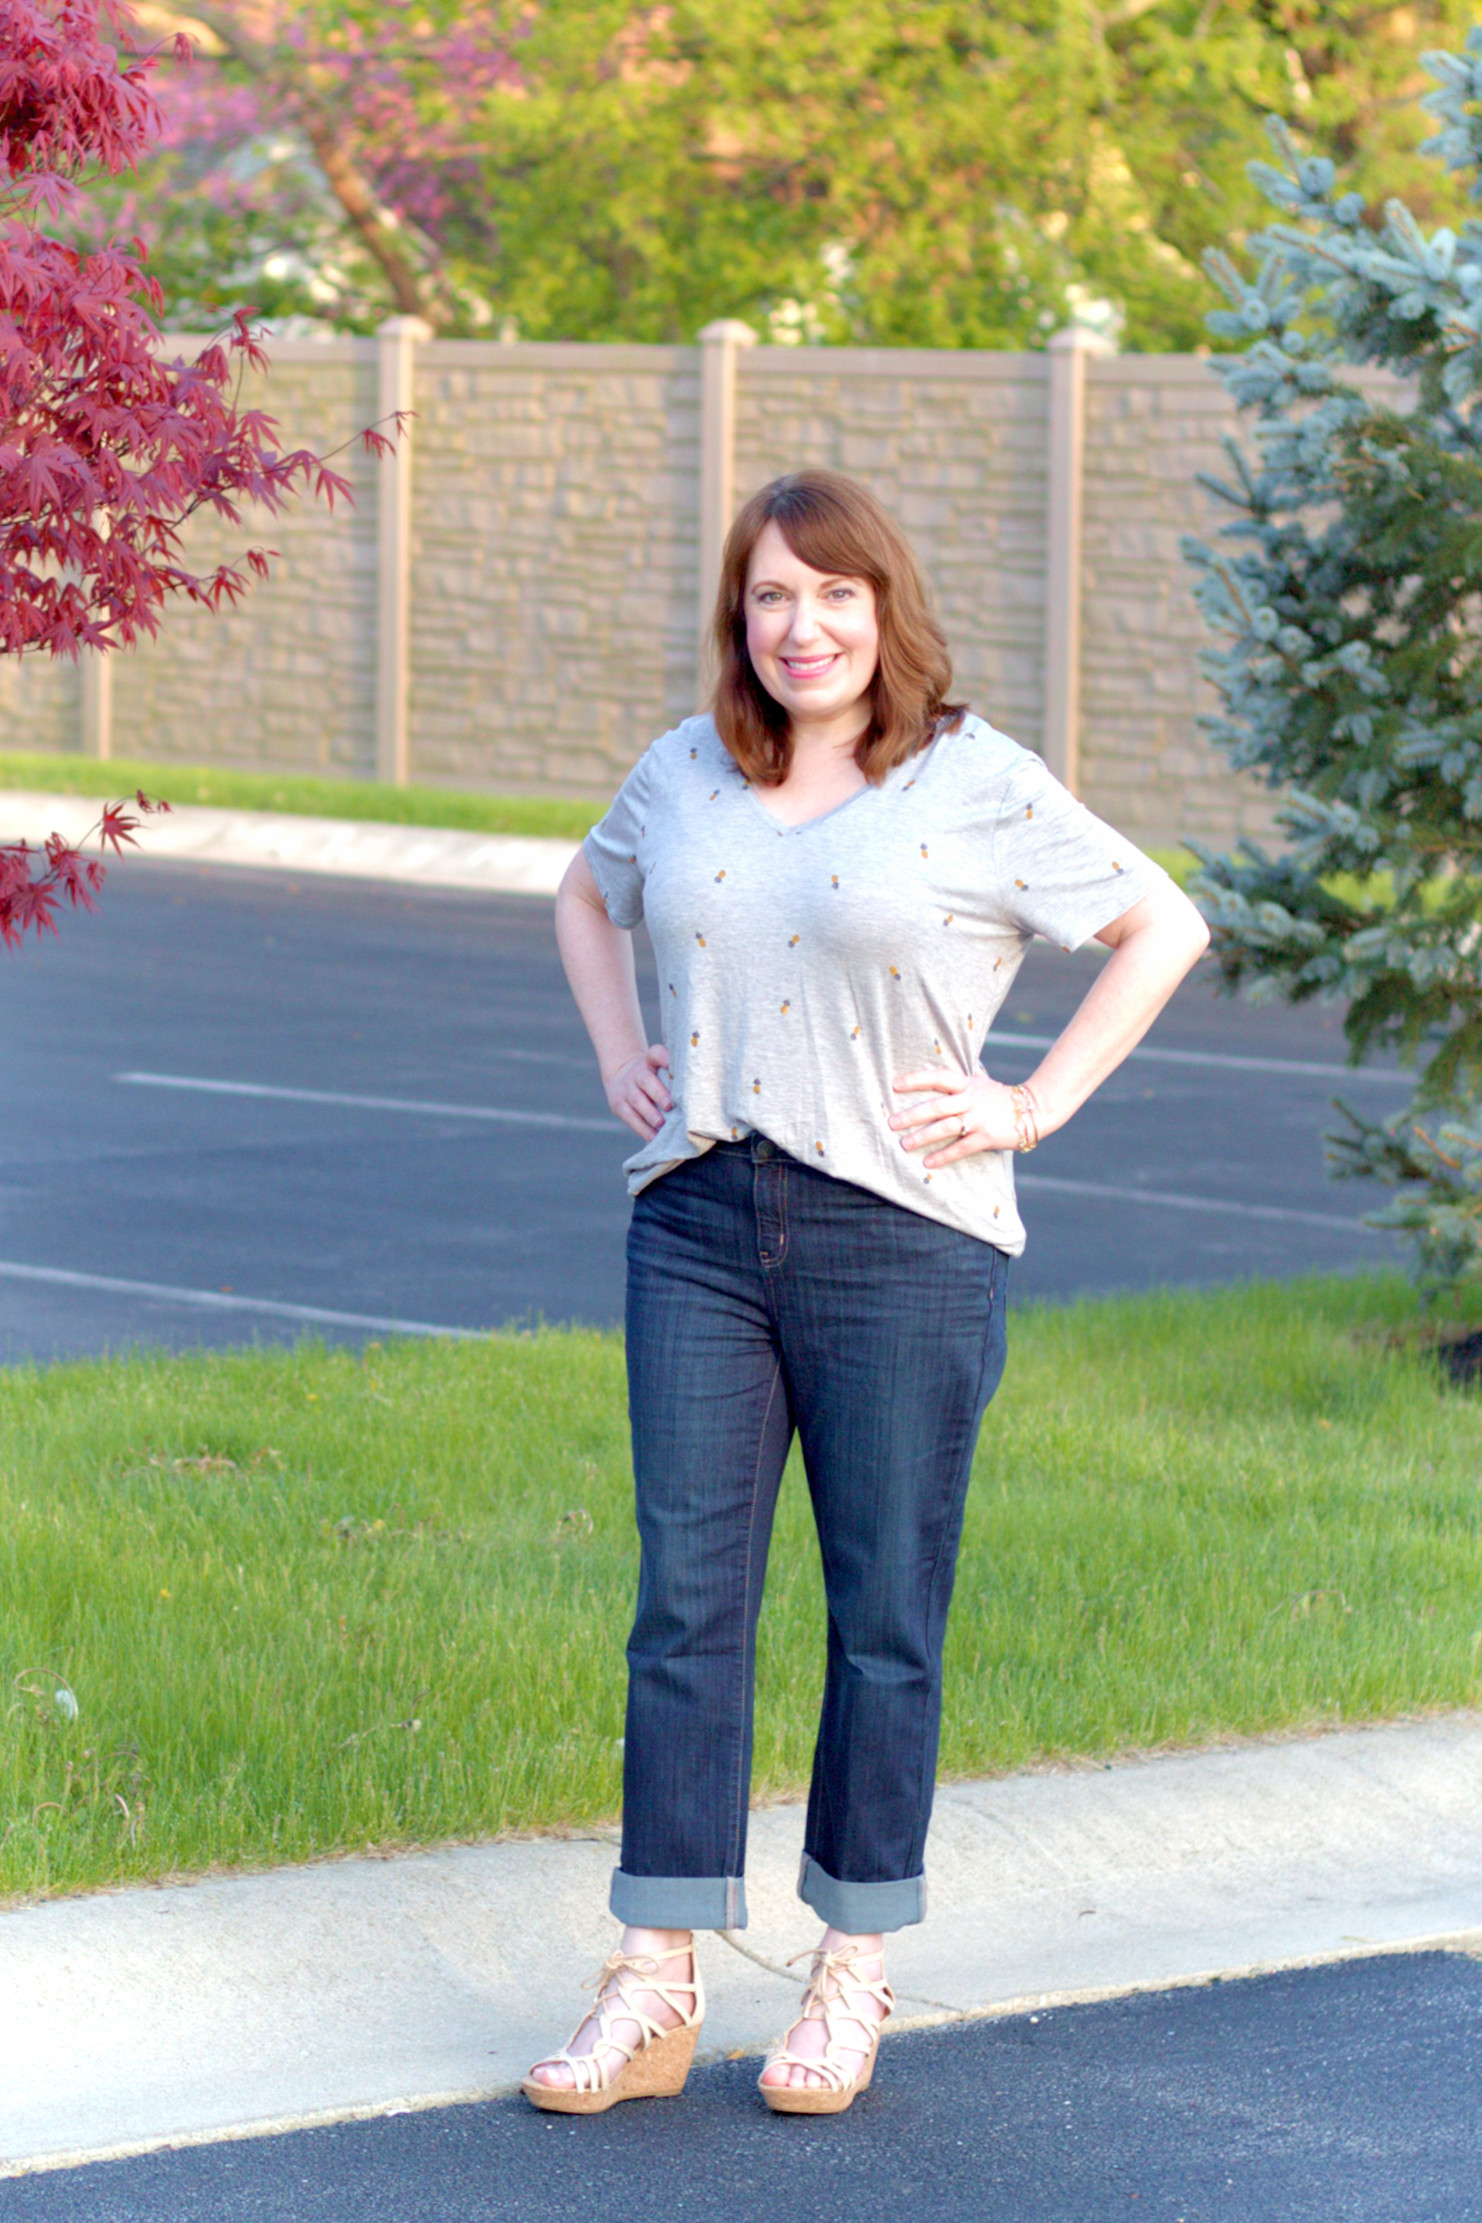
(678, 1902)
(861, 1908)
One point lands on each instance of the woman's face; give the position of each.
(812, 635)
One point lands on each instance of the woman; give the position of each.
(840, 870)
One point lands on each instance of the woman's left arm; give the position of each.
(1153, 946)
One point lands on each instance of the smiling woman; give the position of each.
(821, 608)
(840, 871)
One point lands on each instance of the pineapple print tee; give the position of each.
(800, 968)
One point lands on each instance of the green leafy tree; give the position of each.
(945, 174)
(1347, 584)
(938, 173)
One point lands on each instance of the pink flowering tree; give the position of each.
(107, 449)
(321, 157)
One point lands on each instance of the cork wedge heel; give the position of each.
(655, 2068)
(835, 1992)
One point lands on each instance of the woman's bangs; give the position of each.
(822, 532)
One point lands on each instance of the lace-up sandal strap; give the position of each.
(655, 2067)
(615, 2003)
(615, 1996)
(589, 2072)
(834, 2074)
(845, 2018)
(841, 1969)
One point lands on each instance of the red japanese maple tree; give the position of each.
(106, 449)
(35, 882)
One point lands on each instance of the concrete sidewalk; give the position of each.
(349, 848)
(160, 2016)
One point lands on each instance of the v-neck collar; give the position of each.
(803, 825)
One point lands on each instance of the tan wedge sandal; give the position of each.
(834, 1982)
(655, 2068)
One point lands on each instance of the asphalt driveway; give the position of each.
(240, 1106)
(1345, 2094)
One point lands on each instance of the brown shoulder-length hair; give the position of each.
(834, 525)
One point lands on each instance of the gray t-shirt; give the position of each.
(802, 967)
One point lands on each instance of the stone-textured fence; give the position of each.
(515, 601)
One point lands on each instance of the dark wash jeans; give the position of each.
(766, 1297)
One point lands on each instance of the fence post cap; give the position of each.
(404, 328)
(1081, 340)
(727, 331)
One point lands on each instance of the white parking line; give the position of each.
(1178, 1203)
(371, 1103)
(217, 1300)
(1229, 1064)
(1169, 1199)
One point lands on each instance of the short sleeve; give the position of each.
(1062, 871)
(615, 846)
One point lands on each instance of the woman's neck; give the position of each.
(814, 740)
(822, 773)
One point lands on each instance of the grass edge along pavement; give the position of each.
(263, 1605)
(305, 795)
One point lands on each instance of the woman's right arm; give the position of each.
(598, 957)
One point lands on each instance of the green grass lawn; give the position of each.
(553, 817)
(307, 1600)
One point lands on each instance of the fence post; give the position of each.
(719, 345)
(396, 342)
(95, 700)
(1068, 352)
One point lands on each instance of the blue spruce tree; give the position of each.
(1347, 586)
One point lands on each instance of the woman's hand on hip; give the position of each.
(958, 1116)
(637, 1095)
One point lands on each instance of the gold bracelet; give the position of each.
(1026, 1118)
